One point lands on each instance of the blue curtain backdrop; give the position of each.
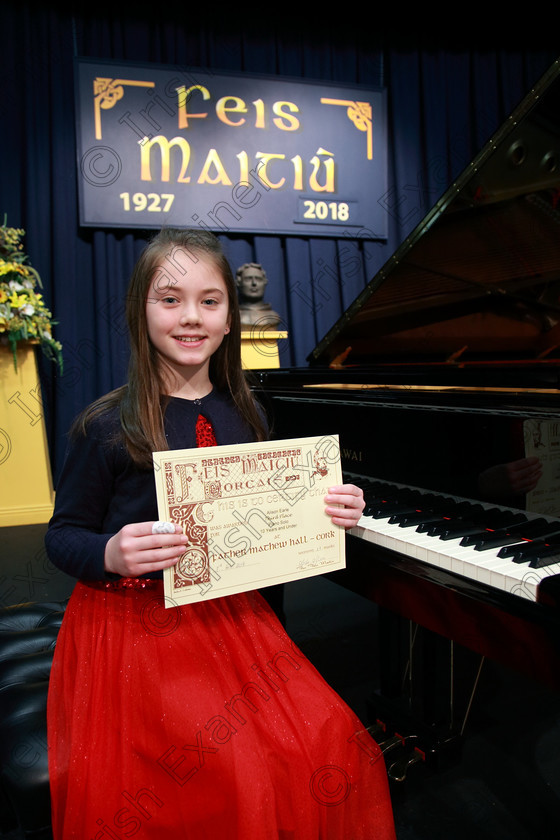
(444, 101)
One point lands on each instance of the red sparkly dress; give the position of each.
(200, 722)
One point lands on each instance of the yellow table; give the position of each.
(259, 348)
(26, 489)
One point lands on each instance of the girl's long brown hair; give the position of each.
(140, 401)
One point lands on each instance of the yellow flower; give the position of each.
(17, 301)
(9, 267)
(23, 312)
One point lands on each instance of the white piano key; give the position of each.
(483, 566)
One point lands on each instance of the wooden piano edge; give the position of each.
(522, 635)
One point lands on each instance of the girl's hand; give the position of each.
(345, 504)
(135, 551)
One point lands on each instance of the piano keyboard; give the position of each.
(511, 550)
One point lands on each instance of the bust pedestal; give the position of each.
(26, 490)
(259, 347)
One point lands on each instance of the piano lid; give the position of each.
(479, 278)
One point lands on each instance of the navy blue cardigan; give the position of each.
(101, 489)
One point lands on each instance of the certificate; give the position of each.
(254, 514)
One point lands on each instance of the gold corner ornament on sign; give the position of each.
(24, 316)
(360, 113)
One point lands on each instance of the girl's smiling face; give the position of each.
(187, 315)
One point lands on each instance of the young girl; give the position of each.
(203, 721)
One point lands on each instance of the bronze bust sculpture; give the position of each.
(251, 281)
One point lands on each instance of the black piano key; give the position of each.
(546, 555)
(506, 519)
(492, 541)
(426, 507)
(374, 504)
(467, 509)
(478, 527)
(398, 504)
(523, 552)
(410, 520)
(542, 560)
(401, 515)
(376, 500)
(387, 511)
(398, 500)
(498, 520)
(524, 529)
(509, 546)
(466, 514)
(529, 534)
(459, 529)
(433, 528)
(533, 526)
(495, 527)
(437, 528)
(463, 512)
(533, 549)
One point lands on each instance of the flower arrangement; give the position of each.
(23, 314)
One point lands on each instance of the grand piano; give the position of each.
(441, 379)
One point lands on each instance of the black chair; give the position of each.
(28, 635)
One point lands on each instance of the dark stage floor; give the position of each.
(506, 785)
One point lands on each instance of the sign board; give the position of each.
(165, 145)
